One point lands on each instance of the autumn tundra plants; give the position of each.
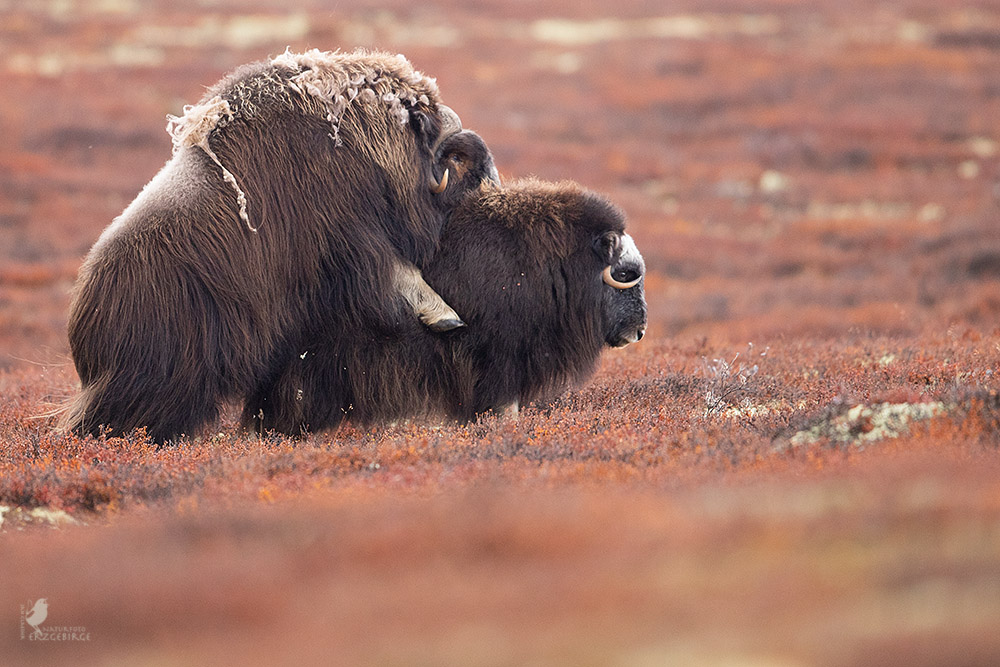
(730, 383)
(655, 414)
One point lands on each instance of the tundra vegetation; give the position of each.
(821, 180)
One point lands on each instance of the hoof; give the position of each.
(445, 325)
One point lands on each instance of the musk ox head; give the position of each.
(546, 277)
(468, 164)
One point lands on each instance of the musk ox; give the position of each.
(544, 276)
(302, 196)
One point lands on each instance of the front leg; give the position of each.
(432, 310)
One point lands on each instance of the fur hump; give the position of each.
(322, 83)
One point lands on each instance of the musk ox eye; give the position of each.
(616, 282)
(625, 275)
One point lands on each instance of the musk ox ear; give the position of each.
(426, 130)
(608, 247)
(420, 123)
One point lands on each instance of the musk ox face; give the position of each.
(624, 301)
(462, 163)
(458, 159)
(466, 163)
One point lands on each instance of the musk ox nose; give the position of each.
(627, 338)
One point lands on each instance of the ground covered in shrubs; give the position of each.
(798, 465)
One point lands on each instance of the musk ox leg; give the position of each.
(432, 310)
(310, 393)
(282, 408)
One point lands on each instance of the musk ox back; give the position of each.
(545, 278)
(302, 193)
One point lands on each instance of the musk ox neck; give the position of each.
(556, 354)
(530, 335)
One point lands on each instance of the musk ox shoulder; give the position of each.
(545, 277)
(302, 195)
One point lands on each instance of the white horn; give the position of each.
(614, 283)
(438, 188)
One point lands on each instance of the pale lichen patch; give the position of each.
(864, 424)
(17, 518)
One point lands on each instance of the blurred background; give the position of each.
(789, 168)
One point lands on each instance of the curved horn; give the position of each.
(450, 124)
(438, 188)
(614, 283)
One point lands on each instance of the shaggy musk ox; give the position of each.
(302, 195)
(544, 276)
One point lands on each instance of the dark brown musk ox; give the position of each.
(545, 278)
(302, 195)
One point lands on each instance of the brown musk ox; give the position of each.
(302, 195)
(545, 278)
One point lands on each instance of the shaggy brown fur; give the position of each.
(296, 188)
(523, 264)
